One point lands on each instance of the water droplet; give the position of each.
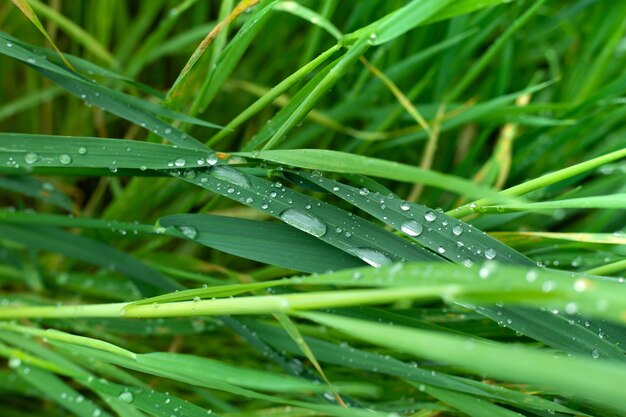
(189, 231)
(96, 412)
(168, 130)
(31, 60)
(581, 285)
(531, 275)
(15, 363)
(180, 162)
(571, 308)
(211, 159)
(430, 216)
(595, 353)
(9, 45)
(371, 256)
(404, 206)
(230, 175)
(490, 253)
(467, 262)
(364, 191)
(65, 159)
(441, 249)
(125, 397)
(457, 230)
(412, 228)
(304, 221)
(487, 269)
(548, 286)
(82, 150)
(31, 158)
(196, 299)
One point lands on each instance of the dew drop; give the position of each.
(304, 221)
(180, 162)
(125, 397)
(364, 191)
(412, 228)
(65, 159)
(82, 150)
(15, 363)
(230, 175)
(430, 216)
(404, 206)
(168, 131)
(31, 158)
(595, 353)
(457, 230)
(211, 159)
(441, 250)
(189, 231)
(371, 256)
(490, 253)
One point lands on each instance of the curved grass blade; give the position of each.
(147, 280)
(452, 239)
(271, 243)
(336, 354)
(130, 108)
(151, 401)
(58, 391)
(342, 162)
(309, 15)
(331, 224)
(567, 375)
(399, 22)
(39, 190)
(34, 151)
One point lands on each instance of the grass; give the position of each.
(280, 208)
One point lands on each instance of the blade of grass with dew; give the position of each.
(248, 239)
(41, 151)
(454, 240)
(148, 363)
(343, 162)
(240, 237)
(567, 375)
(333, 225)
(335, 353)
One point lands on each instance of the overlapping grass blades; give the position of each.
(134, 252)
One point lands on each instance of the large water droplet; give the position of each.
(490, 253)
(125, 397)
(65, 159)
(404, 206)
(189, 231)
(412, 228)
(230, 175)
(371, 256)
(211, 159)
(304, 221)
(180, 162)
(82, 150)
(457, 230)
(31, 158)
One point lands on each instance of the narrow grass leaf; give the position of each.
(567, 375)
(271, 243)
